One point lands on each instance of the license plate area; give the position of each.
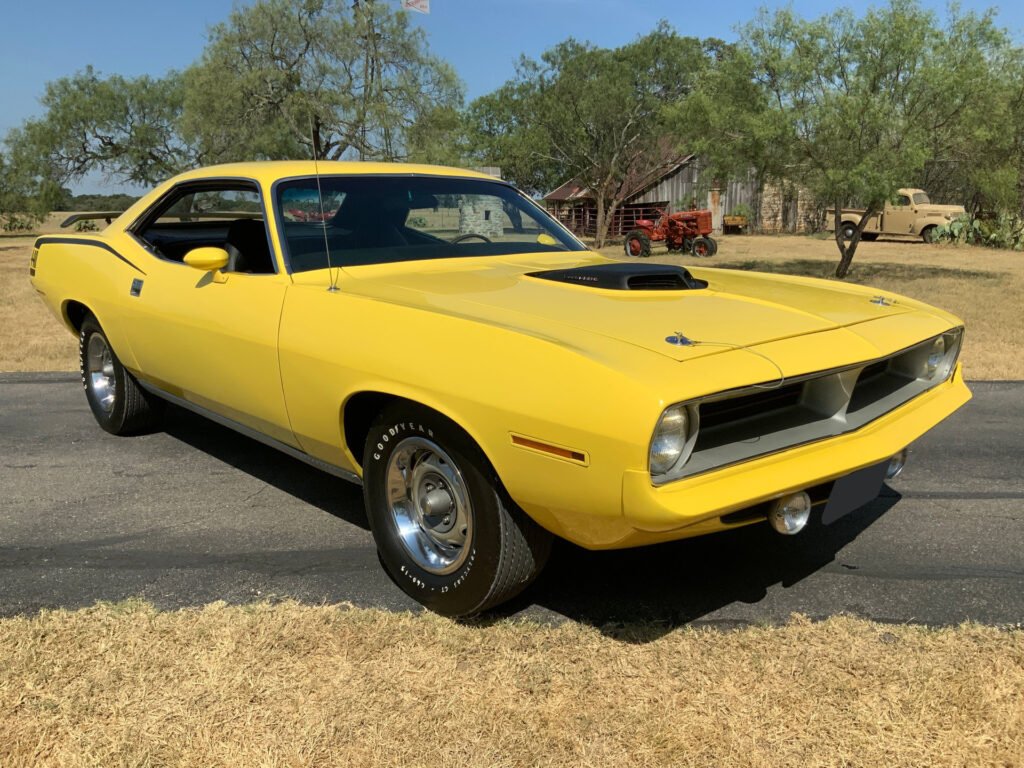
(854, 491)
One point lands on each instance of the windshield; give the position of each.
(920, 198)
(383, 219)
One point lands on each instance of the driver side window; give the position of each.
(228, 216)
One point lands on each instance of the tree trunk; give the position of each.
(605, 216)
(318, 150)
(602, 225)
(847, 249)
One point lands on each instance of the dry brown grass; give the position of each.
(985, 287)
(291, 685)
(33, 339)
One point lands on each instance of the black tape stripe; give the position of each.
(82, 241)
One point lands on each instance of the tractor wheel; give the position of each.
(702, 247)
(638, 244)
(714, 245)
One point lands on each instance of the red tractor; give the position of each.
(681, 231)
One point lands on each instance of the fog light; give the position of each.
(896, 465)
(790, 514)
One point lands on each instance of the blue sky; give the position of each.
(482, 39)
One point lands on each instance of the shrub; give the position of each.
(1001, 231)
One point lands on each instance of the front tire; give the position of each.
(848, 230)
(702, 247)
(928, 234)
(446, 530)
(637, 244)
(118, 403)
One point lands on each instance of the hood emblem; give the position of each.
(882, 301)
(679, 340)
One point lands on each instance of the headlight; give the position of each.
(670, 439)
(935, 355)
(942, 355)
(930, 361)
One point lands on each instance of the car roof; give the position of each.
(269, 171)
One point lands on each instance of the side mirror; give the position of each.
(208, 259)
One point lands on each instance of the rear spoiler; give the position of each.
(108, 216)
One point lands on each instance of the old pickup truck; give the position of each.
(910, 213)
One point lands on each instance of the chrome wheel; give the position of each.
(429, 505)
(100, 377)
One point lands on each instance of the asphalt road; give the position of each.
(197, 513)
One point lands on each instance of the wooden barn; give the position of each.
(677, 185)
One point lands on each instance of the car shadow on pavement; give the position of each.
(330, 494)
(638, 595)
(634, 595)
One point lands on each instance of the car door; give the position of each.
(210, 337)
(899, 216)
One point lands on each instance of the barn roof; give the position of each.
(574, 189)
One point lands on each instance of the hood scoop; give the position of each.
(626, 277)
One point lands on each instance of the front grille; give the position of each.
(875, 382)
(753, 422)
(716, 413)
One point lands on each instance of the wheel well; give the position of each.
(75, 312)
(362, 408)
(359, 412)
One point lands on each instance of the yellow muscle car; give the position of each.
(433, 334)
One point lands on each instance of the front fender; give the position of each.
(494, 382)
(920, 225)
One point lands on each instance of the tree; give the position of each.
(126, 127)
(982, 163)
(851, 109)
(281, 79)
(593, 114)
(28, 187)
(298, 78)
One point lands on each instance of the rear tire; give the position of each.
(118, 403)
(637, 244)
(714, 245)
(848, 230)
(447, 532)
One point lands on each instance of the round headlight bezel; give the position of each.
(672, 440)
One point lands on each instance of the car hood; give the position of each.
(736, 309)
(941, 210)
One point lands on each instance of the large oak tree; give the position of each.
(592, 114)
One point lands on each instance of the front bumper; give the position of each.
(693, 507)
